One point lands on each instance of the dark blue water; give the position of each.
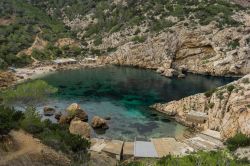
(124, 94)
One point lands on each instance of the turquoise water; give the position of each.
(124, 94)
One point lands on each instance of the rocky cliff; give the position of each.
(203, 50)
(227, 109)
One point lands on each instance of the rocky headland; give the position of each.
(225, 109)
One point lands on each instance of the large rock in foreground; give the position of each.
(79, 127)
(98, 122)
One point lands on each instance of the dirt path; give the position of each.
(28, 147)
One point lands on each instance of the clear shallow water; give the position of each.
(124, 94)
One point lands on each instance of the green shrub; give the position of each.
(139, 39)
(98, 41)
(211, 105)
(220, 95)
(212, 158)
(248, 41)
(32, 121)
(210, 92)
(9, 119)
(158, 25)
(239, 140)
(28, 93)
(233, 44)
(55, 135)
(245, 81)
(111, 49)
(230, 88)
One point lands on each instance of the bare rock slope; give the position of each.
(203, 50)
(225, 109)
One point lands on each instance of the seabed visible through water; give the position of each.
(125, 94)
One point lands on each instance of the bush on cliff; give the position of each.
(28, 94)
(9, 119)
(239, 140)
(55, 135)
(210, 92)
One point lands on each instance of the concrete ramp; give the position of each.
(166, 146)
(144, 149)
(97, 144)
(128, 150)
(114, 149)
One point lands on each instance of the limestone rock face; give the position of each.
(98, 122)
(6, 79)
(228, 108)
(204, 50)
(79, 127)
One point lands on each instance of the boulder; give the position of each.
(98, 122)
(181, 75)
(48, 111)
(72, 108)
(58, 115)
(107, 118)
(160, 70)
(79, 127)
(169, 72)
(82, 115)
(64, 119)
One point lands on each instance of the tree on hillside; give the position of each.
(28, 94)
(9, 119)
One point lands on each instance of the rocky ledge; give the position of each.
(225, 109)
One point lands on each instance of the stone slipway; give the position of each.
(158, 147)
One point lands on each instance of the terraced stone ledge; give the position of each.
(122, 150)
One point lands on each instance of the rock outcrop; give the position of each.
(203, 50)
(67, 42)
(98, 122)
(80, 128)
(227, 109)
(6, 79)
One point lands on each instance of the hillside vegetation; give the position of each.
(27, 22)
(24, 20)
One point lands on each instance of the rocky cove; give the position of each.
(123, 94)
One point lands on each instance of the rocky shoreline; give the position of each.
(225, 109)
(19, 75)
(178, 110)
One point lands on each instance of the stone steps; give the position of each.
(157, 147)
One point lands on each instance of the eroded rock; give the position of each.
(80, 128)
(227, 109)
(98, 122)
